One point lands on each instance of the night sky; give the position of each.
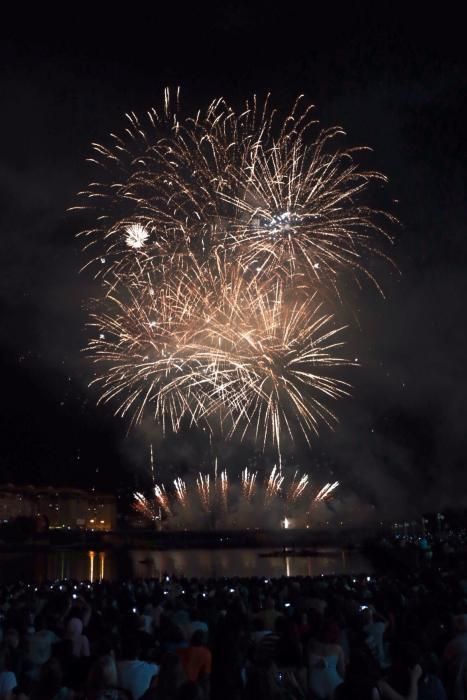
(396, 82)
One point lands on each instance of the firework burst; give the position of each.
(219, 348)
(280, 196)
(213, 236)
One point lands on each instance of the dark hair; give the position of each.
(198, 638)
(50, 680)
(362, 676)
(190, 691)
(131, 648)
(171, 676)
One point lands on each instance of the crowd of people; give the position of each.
(360, 637)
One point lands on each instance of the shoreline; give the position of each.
(291, 540)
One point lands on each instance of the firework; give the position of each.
(281, 196)
(204, 490)
(162, 499)
(248, 484)
(213, 237)
(145, 506)
(297, 487)
(220, 349)
(224, 489)
(326, 492)
(212, 494)
(273, 484)
(181, 491)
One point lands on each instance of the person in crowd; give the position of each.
(197, 660)
(269, 614)
(289, 638)
(79, 641)
(103, 681)
(375, 625)
(7, 677)
(39, 646)
(134, 674)
(455, 659)
(169, 681)
(51, 685)
(326, 663)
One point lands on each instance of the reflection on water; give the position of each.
(244, 562)
(92, 556)
(96, 566)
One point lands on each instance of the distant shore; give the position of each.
(291, 539)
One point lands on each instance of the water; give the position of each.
(90, 565)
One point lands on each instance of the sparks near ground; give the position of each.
(217, 496)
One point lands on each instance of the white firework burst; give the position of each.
(136, 236)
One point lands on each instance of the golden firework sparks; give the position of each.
(181, 491)
(213, 236)
(219, 348)
(162, 499)
(273, 484)
(326, 492)
(297, 487)
(204, 490)
(280, 195)
(248, 483)
(145, 506)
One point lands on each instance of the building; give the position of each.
(61, 507)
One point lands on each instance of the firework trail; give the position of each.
(204, 491)
(181, 491)
(214, 496)
(297, 487)
(145, 506)
(224, 489)
(153, 472)
(248, 484)
(273, 484)
(325, 492)
(162, 499)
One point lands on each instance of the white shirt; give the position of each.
(136, 676)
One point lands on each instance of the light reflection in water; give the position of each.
(80, 565)
(101, 566)
(244, 562)
(91, 565)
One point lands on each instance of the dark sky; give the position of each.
(395, 81)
